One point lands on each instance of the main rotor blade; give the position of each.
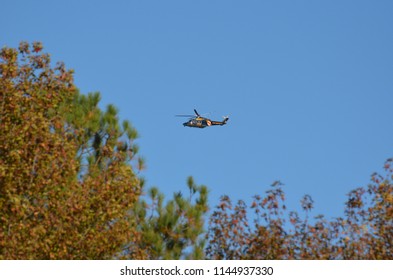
(188, 116)
(196, 113)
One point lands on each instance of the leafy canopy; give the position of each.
(67, 183)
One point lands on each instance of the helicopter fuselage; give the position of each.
(198, 122)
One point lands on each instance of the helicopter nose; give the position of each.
(185, 124)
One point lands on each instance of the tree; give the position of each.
(67, 185)
(365, 231)
(173, 230)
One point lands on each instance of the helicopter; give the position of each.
(200, 122)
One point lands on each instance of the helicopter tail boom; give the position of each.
(220, 123)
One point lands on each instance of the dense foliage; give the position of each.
(173, 230)
(70, 189)
(66, 185)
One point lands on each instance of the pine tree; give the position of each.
(173, 229)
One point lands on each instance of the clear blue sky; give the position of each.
(307, 85)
